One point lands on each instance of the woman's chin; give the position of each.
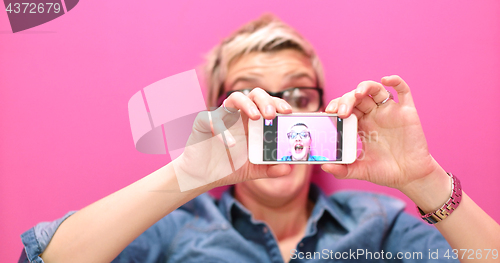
(283, 185)
(298, 156)
(281, 188)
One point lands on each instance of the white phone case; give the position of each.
(256, 140)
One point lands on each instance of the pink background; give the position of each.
(65, 139)
(323, 133)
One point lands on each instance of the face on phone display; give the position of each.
(302, 138)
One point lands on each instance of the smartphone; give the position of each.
(303, 138)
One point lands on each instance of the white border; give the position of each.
(349, 147)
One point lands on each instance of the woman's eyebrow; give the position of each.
(299, 75)
(243, 79)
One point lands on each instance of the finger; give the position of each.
(404, 94)
(278, 170)
(202, 122)
(345, 171)
(373, 89)
(333, 106)
(238, 101)
(358, 113)
(227, 139)
(264, 102)
(337, 170)
(282, 106)
(220, 130)
(229, 117)
(347, 105)
(364, 103)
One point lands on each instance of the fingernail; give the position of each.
(342, 109)
(334, 107)
(285, 107)
(270, 109)
(254, 111)
(331, 107)
(359, 90)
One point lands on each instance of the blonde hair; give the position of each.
(266, 34)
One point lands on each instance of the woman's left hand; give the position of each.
(395, 152)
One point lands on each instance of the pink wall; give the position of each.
(323, 133)
(65, 139)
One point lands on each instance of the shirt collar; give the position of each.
(227, 202)
(321, 201)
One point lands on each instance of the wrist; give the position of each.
(167, 180)
(431, 191)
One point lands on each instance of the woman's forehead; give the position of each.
(299, 128)
(270, 70)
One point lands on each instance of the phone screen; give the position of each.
(302, 138)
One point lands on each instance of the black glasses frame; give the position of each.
(277, 94)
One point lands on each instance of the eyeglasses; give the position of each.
(304, 99)
(293, 135)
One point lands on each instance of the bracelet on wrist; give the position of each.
(448, 207)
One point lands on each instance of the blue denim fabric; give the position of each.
(310, 158)
(342, 225)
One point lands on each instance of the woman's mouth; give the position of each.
(299, 148)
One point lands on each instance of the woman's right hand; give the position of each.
(206, 160)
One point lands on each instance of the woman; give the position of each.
(281, 217)
(299, 140)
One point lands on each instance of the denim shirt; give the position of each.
(348, 226)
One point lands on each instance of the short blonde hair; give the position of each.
(266, 34)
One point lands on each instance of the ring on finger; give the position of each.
(226, 109)
(389, 97)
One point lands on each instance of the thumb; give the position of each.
(338, 170)
(278, 170)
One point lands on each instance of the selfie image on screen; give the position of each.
(298, 138)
